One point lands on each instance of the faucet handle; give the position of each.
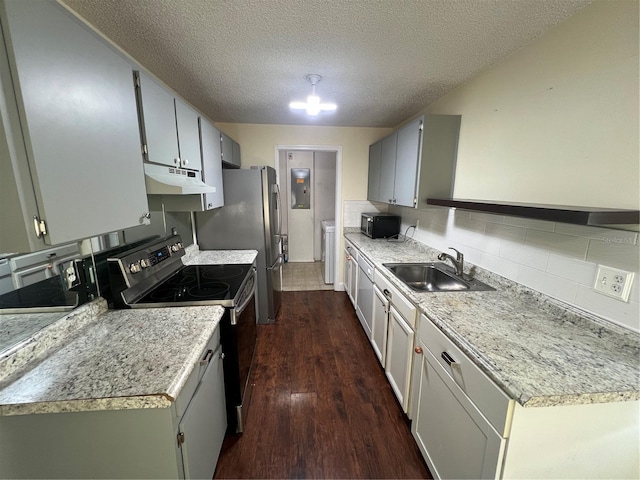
(459, 254)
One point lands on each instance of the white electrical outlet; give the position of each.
(614, 282)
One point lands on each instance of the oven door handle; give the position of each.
(238, 310)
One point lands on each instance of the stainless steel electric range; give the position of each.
(153, 275)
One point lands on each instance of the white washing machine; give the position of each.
(328, 249)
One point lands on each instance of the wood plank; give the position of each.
(321, 404)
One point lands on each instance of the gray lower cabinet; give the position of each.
(168, 126)
(415, 162)
(68, 131)
(180, 441)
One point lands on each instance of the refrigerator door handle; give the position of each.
(279, 209)
(277, 264)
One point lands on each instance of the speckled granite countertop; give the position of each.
(119, 359)
(194, 256)
(540, 351)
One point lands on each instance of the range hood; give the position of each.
(164, 180)
(591, 216)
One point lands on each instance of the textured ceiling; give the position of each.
(243, 61)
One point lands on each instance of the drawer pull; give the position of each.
(418, 350)
(447, 358)
(207, 358)
(387, 294)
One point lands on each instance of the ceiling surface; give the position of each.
(243, 61)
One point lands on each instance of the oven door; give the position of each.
(366, 225)
(238, 338)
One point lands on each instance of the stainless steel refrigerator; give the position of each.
(249, 220)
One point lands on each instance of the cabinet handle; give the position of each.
(221, 355)
(387, 294)
(447, 358)
(418, 350)
(185, 162)
(176, 161)
(207, 358)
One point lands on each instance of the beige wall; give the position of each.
(556, 122)
(258, 143)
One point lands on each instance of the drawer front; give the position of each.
(486, 395)
(185, 395)
(399, 301)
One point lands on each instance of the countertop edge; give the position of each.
(87, 405)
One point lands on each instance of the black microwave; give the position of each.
(380, 225)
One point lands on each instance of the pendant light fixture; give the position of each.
(313, 106)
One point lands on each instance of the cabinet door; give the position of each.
(236, 153)
(375, 157)
(364, 306)
(388, 168)
(345, 272)
(226, 148)
(379, 324)
(399, 356)
(79, 124)
(204, 423)
(188, 139)
(211, 163)
(454, 437)
(407, 155)
(158, 122)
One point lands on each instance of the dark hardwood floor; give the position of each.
(321, 404)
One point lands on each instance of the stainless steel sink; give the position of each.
(434, 277)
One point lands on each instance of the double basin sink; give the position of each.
(435, 277)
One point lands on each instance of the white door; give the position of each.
(300, 206)
(399, 355)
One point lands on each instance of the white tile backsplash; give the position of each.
(547, 283)
(572, 269)
(524, 255)
(570, 246)
(617, 255)
(559, 260)
(530, 223)
(354, 208)
(604, 234)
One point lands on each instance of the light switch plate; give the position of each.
(614, 282)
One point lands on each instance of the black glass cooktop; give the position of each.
(196, 283)
(50, 293)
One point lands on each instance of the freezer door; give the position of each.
(274, 276)
(272, 219)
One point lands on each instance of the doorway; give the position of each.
(309, 179)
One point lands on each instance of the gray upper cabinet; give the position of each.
(168, 127)
(211, 164)
(188, 137)
(157, 122)
(375, 156)
(388, 168)
(416, 161)
(69, 131)
(438, 154)
(236, 153)
(407, 155)
(230, 150)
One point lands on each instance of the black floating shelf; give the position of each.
(597, 217)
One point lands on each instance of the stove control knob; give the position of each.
(134, 267)
(176, 246)
(144, 263)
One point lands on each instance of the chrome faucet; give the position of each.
(458, 262)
